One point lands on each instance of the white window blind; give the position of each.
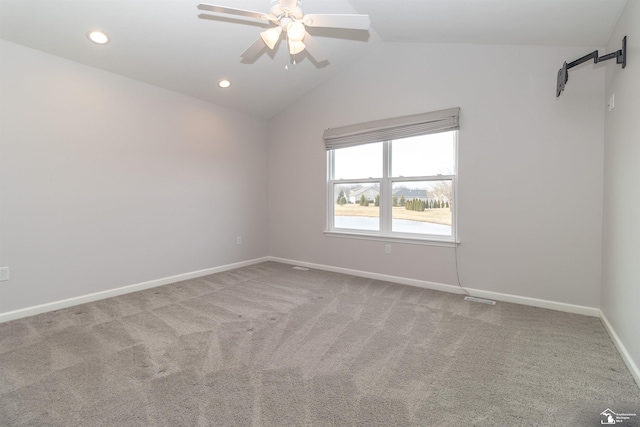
(394, 128)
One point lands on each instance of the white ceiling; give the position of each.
(163, 42)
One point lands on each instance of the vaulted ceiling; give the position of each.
(166, 44)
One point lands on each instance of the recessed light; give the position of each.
(224, 84)
(98, 37)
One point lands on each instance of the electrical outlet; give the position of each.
(4, 273)
(387, 249)
(239, 240)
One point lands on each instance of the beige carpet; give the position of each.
(267, 345)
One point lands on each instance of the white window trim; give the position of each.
(417, 240)
(385, 234)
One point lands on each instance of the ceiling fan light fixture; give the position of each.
(271, 36)
(296, 31)
(295, 47)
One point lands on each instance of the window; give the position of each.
(394, 183)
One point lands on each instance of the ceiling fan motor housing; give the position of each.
(283, 8)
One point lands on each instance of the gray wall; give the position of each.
(621, 231)
(530, 167)
(107, 182)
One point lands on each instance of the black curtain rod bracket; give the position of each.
(563, 73)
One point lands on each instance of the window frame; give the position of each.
(385, 183)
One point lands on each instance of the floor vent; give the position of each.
(482, 300)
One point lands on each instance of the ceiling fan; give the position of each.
(288, 18)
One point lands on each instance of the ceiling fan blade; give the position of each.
(233, 11)
(353, 22)
(314, 49)
(253, 50)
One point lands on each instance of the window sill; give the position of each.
(427, 241)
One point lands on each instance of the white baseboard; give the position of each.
(633, 368)
(497, 296)
(384, 277)
(536, 302)
(83, 299)
(57, 305)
